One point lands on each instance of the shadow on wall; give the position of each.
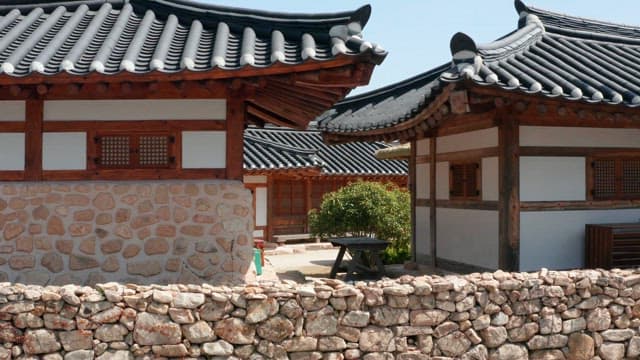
(135, 232)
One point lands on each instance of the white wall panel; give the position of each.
(204, 149)
(258, 233)
(490, 179)
(468, 236)
(422, 181)
(12, 151)
(261, 206)
(64, 151)
(442, 181)
(423, 231)
(422, 147)
(552, 178)
(477, 139)
(12, 110)
(555, 239)
(577, 136)
(254, 179)
(166, 109)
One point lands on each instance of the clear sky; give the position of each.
(417, 32)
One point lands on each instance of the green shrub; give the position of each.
(367, 209)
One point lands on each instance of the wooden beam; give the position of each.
(412, 190)
(467, 204)
(433, 238)
(460, 155)
(134, 126)
(33, 139)
(509, 200)
(235, 135)
(578, 205)
(575, 151)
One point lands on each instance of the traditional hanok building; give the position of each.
(121, 130)
(516, 144)
(289, 171)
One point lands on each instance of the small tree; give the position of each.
(367, 209)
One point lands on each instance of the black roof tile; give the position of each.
(279, 149)
(110, 36)
(549, 54)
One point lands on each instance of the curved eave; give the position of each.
(419, 115)
(199, 10)
(186, 74)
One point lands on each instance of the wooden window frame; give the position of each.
(134, 150)
(478, 180)
(618, 158)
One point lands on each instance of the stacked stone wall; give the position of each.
(139, 232)
(544, 315)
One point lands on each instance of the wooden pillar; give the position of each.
(33, 140)
(235, 136)
(412, 190)
(307, 203)
(509, 201)
(433, 238)
(269, 228)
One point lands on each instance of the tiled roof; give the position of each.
(138, 36)
(549, 54)
(271, 149)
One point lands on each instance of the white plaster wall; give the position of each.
(555, 239)
(490, 179)
(477, 139)
(577, 136)
(12, 110)
(552, 178)
(254, 179)
(64, 151)
(442, 180)
(12, 151)
(422, 147)
(423, 231)
(204, 149)
(261, 206)
(468, 236)
(422, 181)
(258, 233)
(169, 109)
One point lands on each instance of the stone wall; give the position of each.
(139, 232)
(500, 316)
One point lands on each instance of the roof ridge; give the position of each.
(280, 145)
(576, 26)
(427, 75)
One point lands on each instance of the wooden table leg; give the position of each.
(356, 259)
(336, 264)
(379, 264)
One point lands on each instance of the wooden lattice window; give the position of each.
(615, 178)
(464, 181)
(289, 198)
(132, 151)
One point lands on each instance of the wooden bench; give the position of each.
(612, 245)
(282, 239)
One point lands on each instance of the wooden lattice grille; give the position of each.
(631, 177)
(134, 151)
(115, 151)
(463, 181)
(154, 151)
(615, 178)
(289, 198)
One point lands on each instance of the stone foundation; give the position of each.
(139, 232)
(500, 316)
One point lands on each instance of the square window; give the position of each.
(464, 181)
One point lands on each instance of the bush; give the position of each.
(367, 209)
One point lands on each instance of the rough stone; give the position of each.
(198, 332)
(40, 341)
(154, 329)
(235, 331)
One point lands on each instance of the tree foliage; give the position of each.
(367, 209)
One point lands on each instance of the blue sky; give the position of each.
(417, 32)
